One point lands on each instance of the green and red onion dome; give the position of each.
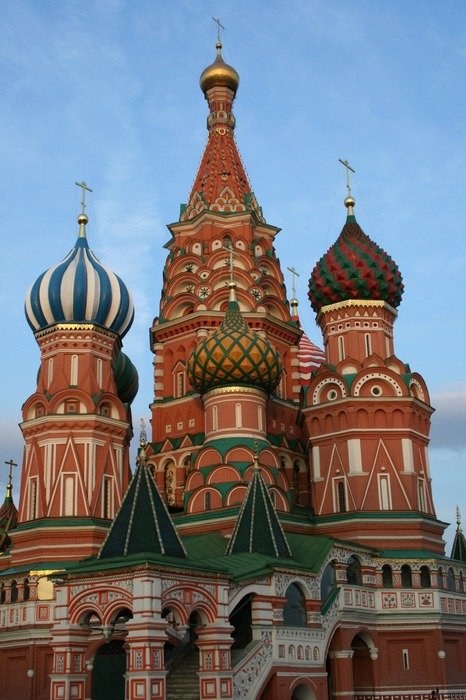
(234, 354)
(355, 267)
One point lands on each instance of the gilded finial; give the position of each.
(294, 301)
(218, 45)
(349, 199)
(232, 282)
(9, 486)
(458, 518)
(82, 217)
(255, 465)
(219, 73)
(142, 442)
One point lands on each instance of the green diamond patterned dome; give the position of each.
(355, 268)
(234, 354)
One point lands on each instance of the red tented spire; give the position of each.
(221, 182)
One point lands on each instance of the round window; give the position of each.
(376, 391)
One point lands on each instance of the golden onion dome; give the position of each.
(219, 74)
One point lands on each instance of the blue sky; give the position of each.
(107, 91)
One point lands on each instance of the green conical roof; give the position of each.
(258, 529)
(143, 523)
(234, 354)
(458, 551)
(8, 518)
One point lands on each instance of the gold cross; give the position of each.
(348, 168)
(219, 24)
(84, 188)
(11, 464)
(293, 283)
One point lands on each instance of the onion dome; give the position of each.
(219, 74)
(234, 354)
(126, 378)
(80, 289)
(354, 268)
(8, 517)
(310, 357)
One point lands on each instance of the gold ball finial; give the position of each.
(349, 202)
(219, 73)
(83, 219)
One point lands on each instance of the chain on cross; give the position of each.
(85, 189)
(219, 25)
(294, 274)
(348, 167)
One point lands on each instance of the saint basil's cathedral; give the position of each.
(277, 537)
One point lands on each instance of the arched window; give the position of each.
(341, 348)
(14, 592)
(294, 612)
(341, 497)
(440, 577)
(207, 501)
(451, 580)
(425, 577)
(74, 370)
(328, 581)
(387, 576)
(461, 583)
(215, 418)
(2, 593)
(368, 344)
(26, 589)
(227, 242)
(238, 416)
(353, 571)
(406, 576)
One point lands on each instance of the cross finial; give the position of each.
(9, 486)
(256, 455)
(142, 433)
(348, 167)
(219, 24)
(294, 274)
(85, 189)
(458, 517)
(231, 283)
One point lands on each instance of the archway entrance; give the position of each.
(303, 692)
(362, 667)
(108, 673)
(183, 664)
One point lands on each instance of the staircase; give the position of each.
(182, 681)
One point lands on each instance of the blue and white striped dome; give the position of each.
(80, 289)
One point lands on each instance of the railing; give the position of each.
(253, 668)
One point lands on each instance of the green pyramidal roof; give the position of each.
(143, 523)
(258, 529)
(458, 550)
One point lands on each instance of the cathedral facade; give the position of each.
(278, 536)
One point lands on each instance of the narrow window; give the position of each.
(107, 498)
(420, 494)
(180, 384)
(353, 571)
(405, 659)
(341, 497)
(26, 589)
(341, 348)
(68, 496)
(215, 418)
(32, 499)
(259, 418)
(238, 416)
(14, 592)
(74, 370)
(50, 372)
(440, 577)
(451, 580)
(207, 501)
(384, 492)
(99, 372)
(368, 344)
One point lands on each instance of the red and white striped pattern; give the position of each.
(310, 357)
